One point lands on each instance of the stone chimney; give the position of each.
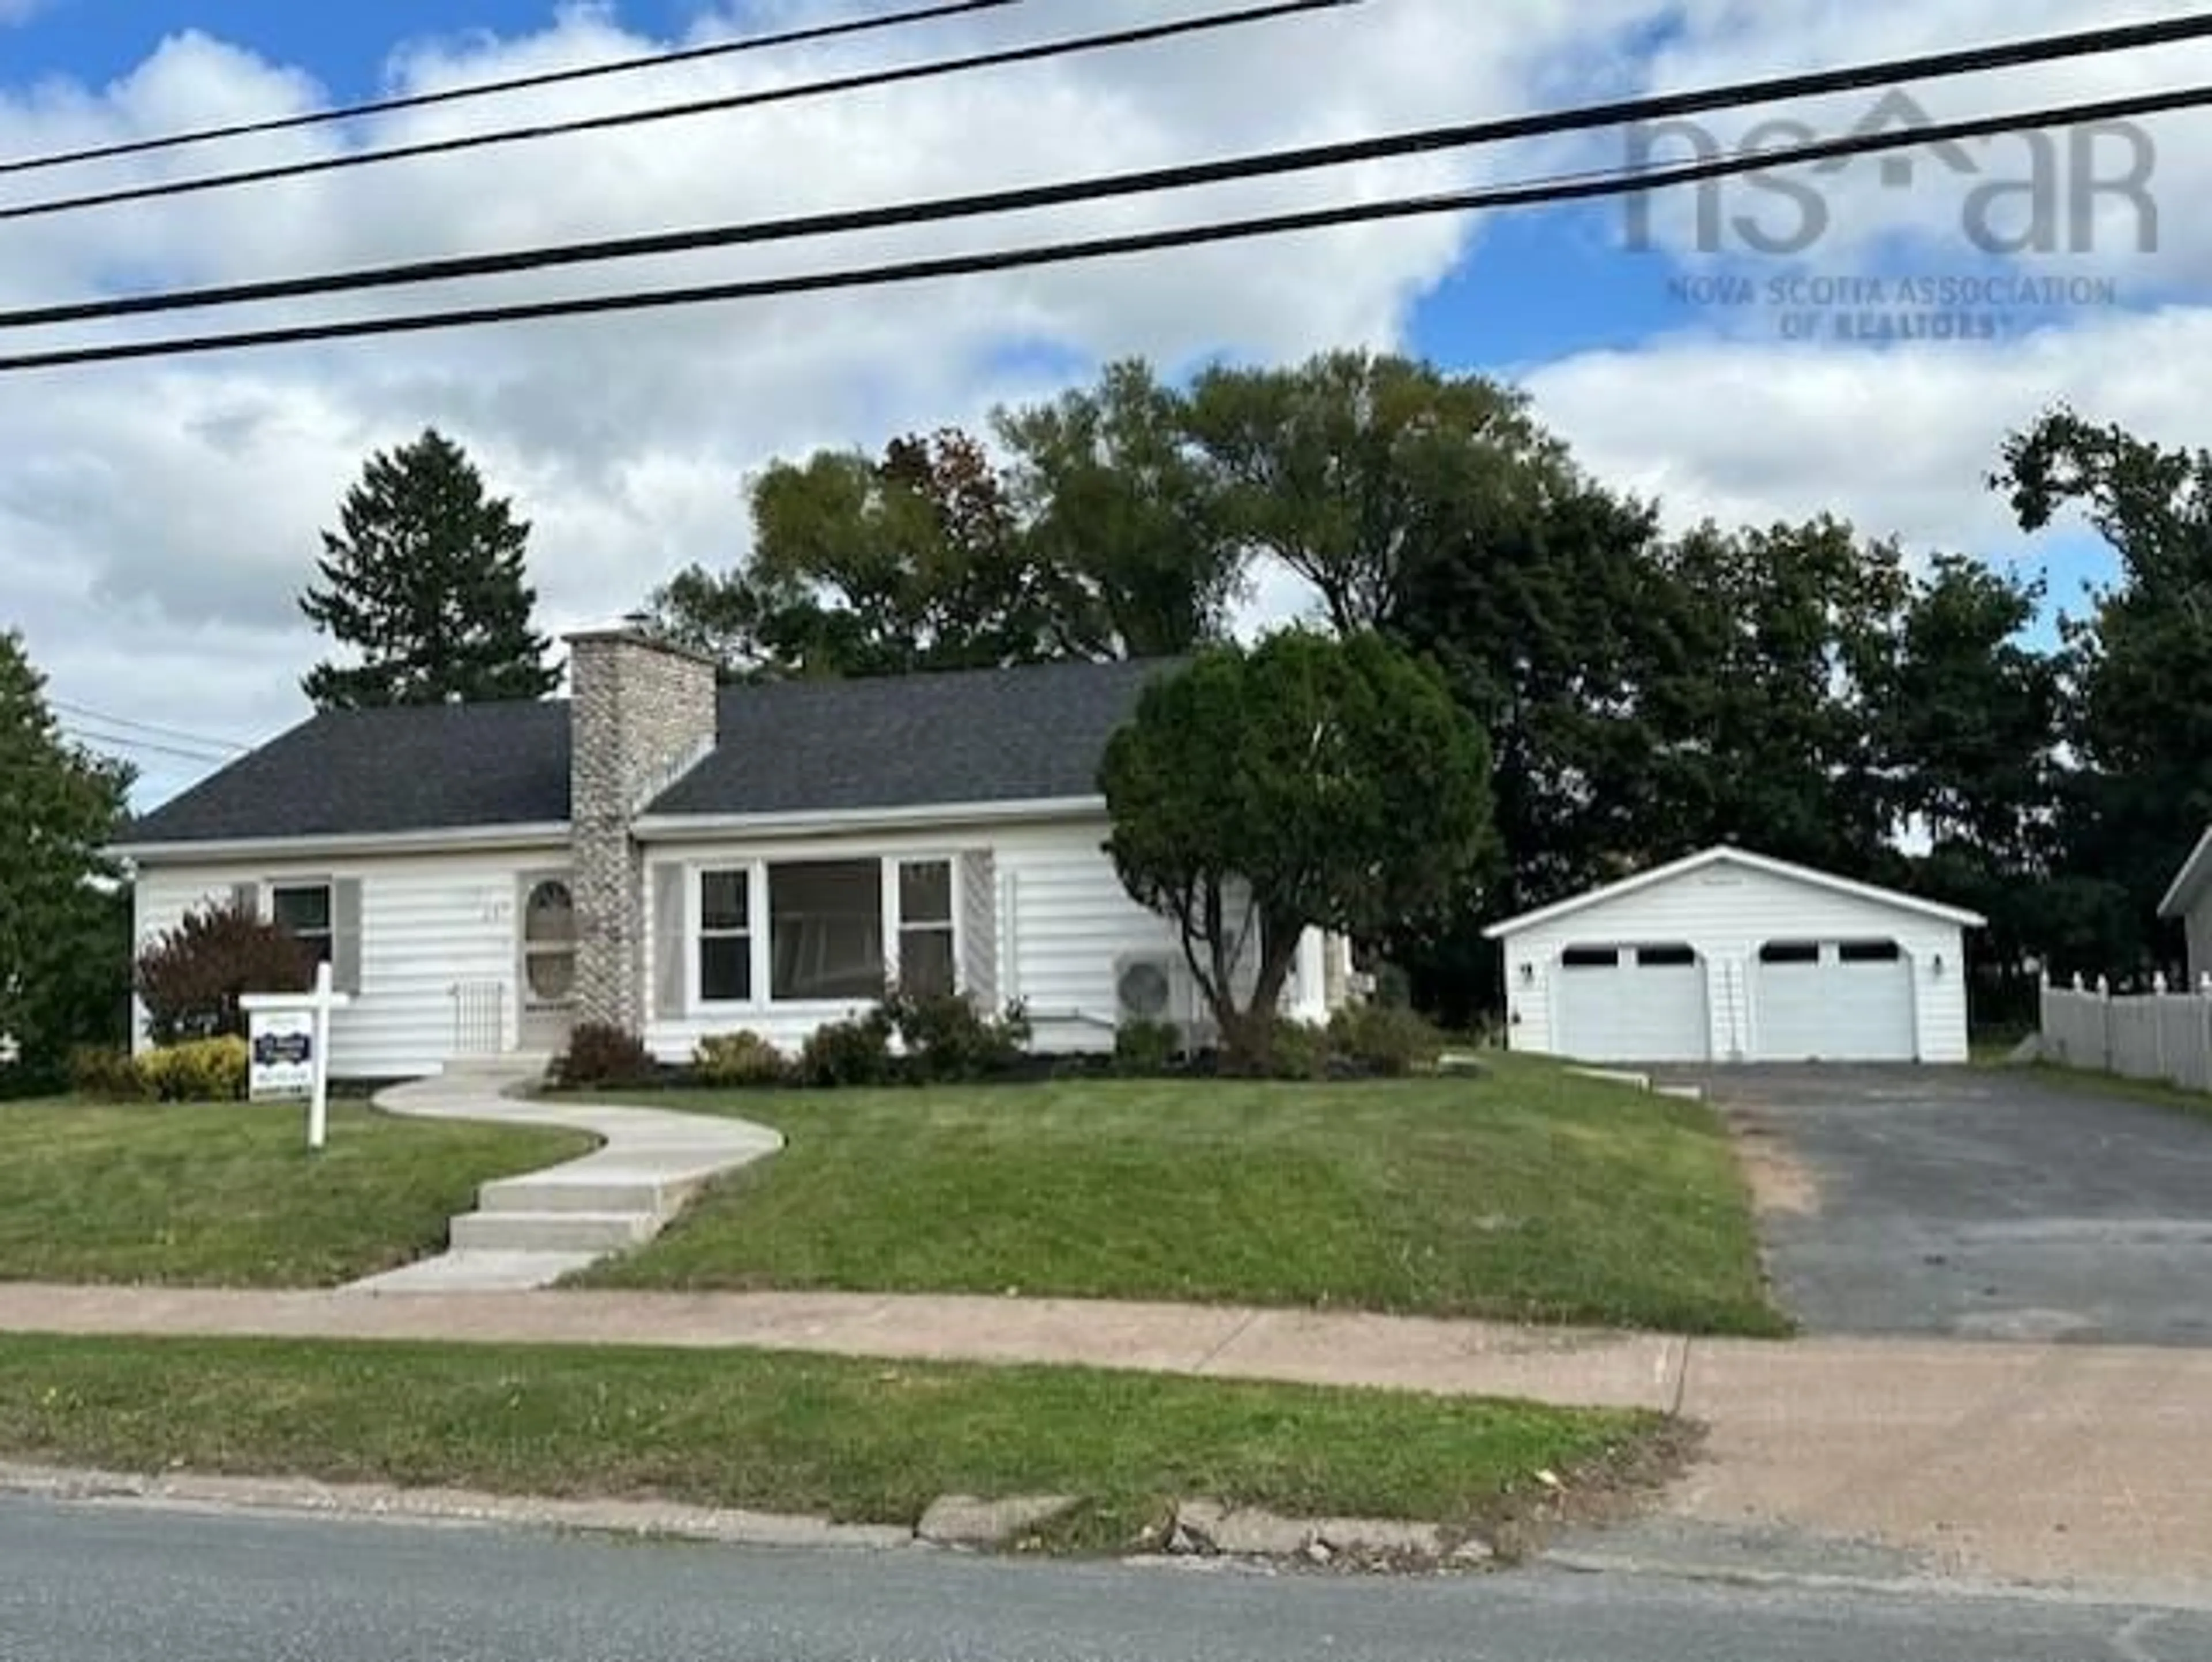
(641, 713)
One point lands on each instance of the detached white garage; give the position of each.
(1730, 956)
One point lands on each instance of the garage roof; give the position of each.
(1738, 856)
(2191, 883)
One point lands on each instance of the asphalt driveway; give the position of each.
(1978, 1204)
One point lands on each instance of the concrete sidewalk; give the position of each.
(529, 1231)
(2074, 1465)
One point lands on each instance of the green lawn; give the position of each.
(862, 1441)
(1528, 1196)
(2131, 1090)
(230, 1195)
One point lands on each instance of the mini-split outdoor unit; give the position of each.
(1151, 987)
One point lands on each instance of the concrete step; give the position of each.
(551, 1194)
(529, 1064)
(479, 1272)
(552, 1231)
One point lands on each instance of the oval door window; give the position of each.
(548, 943)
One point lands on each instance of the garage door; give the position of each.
(1632, 1003)
(1834, 1001)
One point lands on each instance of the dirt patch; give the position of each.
(1631, 1484)
(1781, 1184)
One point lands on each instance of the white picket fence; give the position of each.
(2160, 1035)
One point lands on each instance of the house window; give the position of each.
(548, 943)
(826, 932)
(726, 938)
(1790, 952)
(303, 911)
(926, 956)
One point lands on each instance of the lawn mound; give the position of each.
(1527, 1195)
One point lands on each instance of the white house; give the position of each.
(2189, 902)
(1730, 956)
(681, 858)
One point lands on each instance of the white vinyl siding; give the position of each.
(428, 926)
(1038, 914)
(1059, 919)
(1727, 912)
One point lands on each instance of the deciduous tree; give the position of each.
(1350, 467)
(56, 884)
(1308, 783)
(2138, 665)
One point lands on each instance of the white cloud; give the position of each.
(1900, 442)
(142, 506)
(156, 521)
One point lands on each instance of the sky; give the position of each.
(1719, 353)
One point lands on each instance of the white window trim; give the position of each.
(764, 1004)
(695, 936)
(895, 923)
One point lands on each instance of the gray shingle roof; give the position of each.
(829, 746)
(354, 773)
(984, 736)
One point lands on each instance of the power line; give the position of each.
(753, 43)
(1306, 159)
(86, 713)
(1624, 182)
(114, 742)
(903, 74)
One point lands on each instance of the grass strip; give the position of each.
(856, 1441)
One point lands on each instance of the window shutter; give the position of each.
(247, 897)
(978, 927)
(668, 946)
(345, 936)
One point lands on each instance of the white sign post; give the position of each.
(291, 1049)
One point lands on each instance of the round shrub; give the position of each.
(947, 1040)
(1145, 1050)
(848, 1055)
(601, 1057)
(203, 1070)
(1380, 1039)
(741, 1061)
(1300, 1050)
(101, 1073)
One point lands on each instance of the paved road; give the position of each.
(85, 1584)
(1981, 1205)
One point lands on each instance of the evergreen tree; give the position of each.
(61, 962)
(425, 582)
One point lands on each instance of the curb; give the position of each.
(2100, 1595)
(379, 1503)
(1198, 1530)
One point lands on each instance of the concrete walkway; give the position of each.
(2077, 1465)
(528, 1232)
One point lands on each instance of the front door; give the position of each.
(548, 963)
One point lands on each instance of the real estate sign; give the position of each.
(289, 1039)
(283, 1056)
